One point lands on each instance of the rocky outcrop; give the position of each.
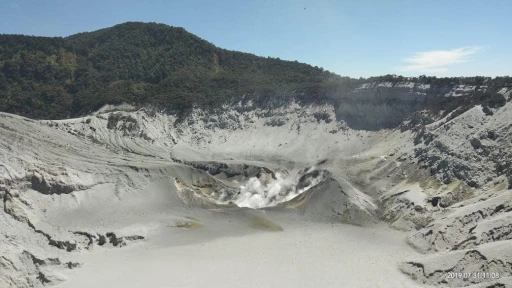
(381, 105)
(461, 269)
(471, 223)
(472, 147)
(40, 185)
(28, 270)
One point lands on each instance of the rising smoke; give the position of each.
(255, 193)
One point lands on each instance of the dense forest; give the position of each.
(140, 63)
(148, 63)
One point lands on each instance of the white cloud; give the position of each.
(437, 61)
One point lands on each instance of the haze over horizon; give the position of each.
(367, 38)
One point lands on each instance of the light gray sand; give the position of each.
(303, 255)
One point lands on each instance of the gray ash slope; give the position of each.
(114, 177)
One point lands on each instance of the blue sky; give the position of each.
(351, 38)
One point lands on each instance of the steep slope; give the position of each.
(458, 198)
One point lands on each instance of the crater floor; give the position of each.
(128, 197)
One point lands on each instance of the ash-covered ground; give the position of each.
(261, 197)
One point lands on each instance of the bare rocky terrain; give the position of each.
(125, 178)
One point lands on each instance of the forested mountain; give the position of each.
(148, 63)
(139, 63)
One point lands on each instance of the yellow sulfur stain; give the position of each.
(188, 225)
(264, 223)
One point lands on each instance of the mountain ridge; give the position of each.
(169, 68)
(140, 63)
